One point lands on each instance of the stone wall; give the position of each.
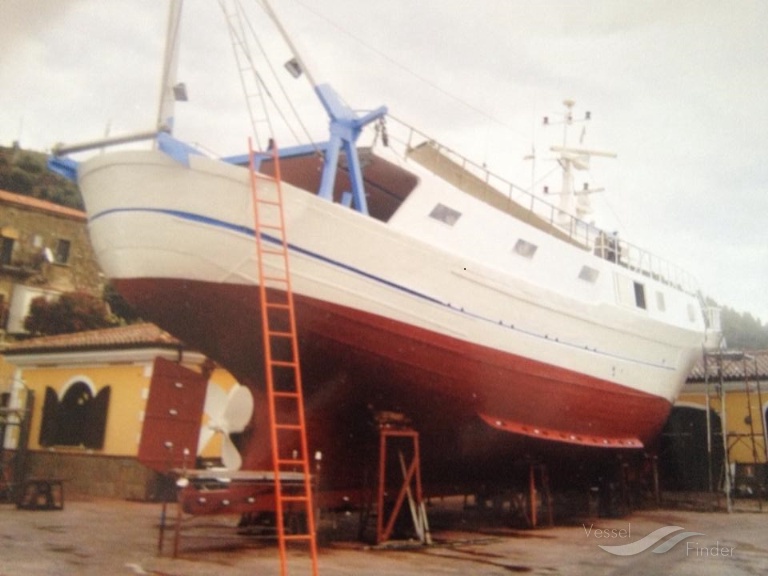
(49, 250)
(96, 475)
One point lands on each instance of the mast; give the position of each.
(570, 158)
(291, 44)
(170, 91)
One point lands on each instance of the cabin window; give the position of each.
(630, 292)
(588, 274)
(660, 304)
(640, 295)
(525, 249)
(445, 214)
(62, 251)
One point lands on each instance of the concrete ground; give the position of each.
(107, 537)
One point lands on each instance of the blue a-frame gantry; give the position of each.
(345, 128)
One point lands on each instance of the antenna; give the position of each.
(573, 158)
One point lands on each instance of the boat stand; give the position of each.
(410, 487)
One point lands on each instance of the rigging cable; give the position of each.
(403, 67)
(262, 87)
(281, 87)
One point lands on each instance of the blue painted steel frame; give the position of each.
(345, 129)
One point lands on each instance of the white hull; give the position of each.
(151, 217)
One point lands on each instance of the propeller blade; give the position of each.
(206, 434)
(229, 454)
(215, 404)
(239, 409)
(215, 401)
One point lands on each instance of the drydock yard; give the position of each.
(100, 537)
(358, 351)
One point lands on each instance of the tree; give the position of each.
(25, 172)
(71, 312)
(743, 331)
(124, 312)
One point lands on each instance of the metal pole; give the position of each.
(382, 477)
(763, 421)
(709, 420)
(724, 431)
(291, 44)
(532, 492)
(763, 414)
(751, 427)
(64, 149)
(170, 66)
(749, 408)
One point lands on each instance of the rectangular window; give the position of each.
(660, 304)
(525, 248)
(630, 292)
(445, 214)
(640, 295)
(588, 274)
(62, 252)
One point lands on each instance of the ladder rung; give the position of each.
(276, 278)
(278, 305)
(298, 536)
(289, 426)
(280, 334)
(271, 251)
(294, 498)
(272, 202)
(287, 394)
(284, 363)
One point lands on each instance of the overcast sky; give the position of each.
(678, 89)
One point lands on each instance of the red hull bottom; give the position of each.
(355, 365)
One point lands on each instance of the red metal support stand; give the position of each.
(410, 487)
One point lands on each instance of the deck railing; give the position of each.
(590, 237)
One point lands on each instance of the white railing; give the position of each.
(605, 245)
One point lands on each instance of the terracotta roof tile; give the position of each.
(735, 366)
(121, 337)
(43, 205)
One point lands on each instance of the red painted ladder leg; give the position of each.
(288, 434)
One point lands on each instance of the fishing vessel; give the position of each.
(497, 323)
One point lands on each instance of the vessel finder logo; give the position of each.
(651, 540)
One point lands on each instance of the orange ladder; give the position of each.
(288, 434)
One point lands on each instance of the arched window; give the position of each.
(77, 419)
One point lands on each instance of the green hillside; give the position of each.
(25, 172)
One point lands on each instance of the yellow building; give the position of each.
(734, 386)
(90, 390)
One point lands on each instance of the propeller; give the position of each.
(228, 414)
